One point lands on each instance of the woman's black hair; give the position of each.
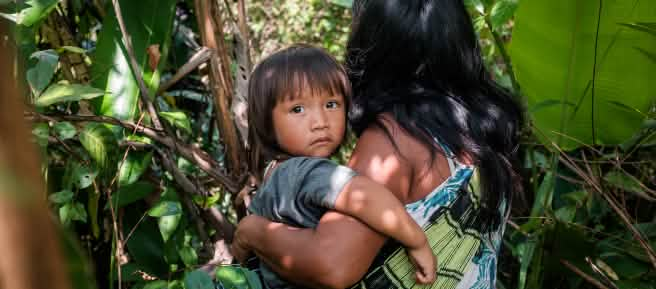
(419, 61)
(287, 74)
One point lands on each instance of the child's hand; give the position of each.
(425, 263)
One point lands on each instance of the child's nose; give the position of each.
(319, 121)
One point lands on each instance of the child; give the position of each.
(297, 113)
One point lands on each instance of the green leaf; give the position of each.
(188, 256)
(502, 11)
(343, 3)
(231, 277)
(72, 49)
(198, 280)
(131, 193)
(253, 279)
(566, 213)
(178, 119)
(149, 22)
(72, 212)
(83, 175)
(627, 182)
(34, 11)
(62, 197)
(577, 198)
(627, 267)
(41, 131)
(64, 130)
(39, 76)
(57, 93)
(99, 141)
(544, 196)
(554, 60)
(168, 224)
(165, 208)
(145, 245)
(133, 167)
(157, 284)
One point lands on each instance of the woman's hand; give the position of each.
(241, 247)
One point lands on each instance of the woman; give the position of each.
(428, 117)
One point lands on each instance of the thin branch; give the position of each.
(195, 155)
(145, 96)
(200, 57)
(583, 275)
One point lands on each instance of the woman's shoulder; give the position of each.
(390, 155)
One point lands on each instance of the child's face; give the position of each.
(310, 125)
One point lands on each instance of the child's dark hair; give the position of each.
(288, 74)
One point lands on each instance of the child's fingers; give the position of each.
(423, 278)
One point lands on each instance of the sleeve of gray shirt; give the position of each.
(300, 190)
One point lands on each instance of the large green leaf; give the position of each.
(99, 141)
(555, 60)
(198, 280)
(145, 245)
(62, 92)
(39, 76)
(131, 193)
(133, 167)
(149, 22)
(34, 11)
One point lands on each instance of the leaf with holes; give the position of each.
(99, 141)
(57, 93)
(82, 176)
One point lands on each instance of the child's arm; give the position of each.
(379, 208)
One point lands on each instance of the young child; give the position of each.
(297, 103)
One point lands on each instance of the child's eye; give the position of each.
(332, 104)
(297, 109)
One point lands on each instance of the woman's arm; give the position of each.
(340, 249)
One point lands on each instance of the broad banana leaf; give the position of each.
(149, 22)
(563, 51)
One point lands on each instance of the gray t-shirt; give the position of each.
(298, 192)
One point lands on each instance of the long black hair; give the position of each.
(419, 61)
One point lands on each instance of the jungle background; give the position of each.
(137, 111)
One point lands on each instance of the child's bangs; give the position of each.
(313, 77)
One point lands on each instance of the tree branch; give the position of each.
(195, 155)
(200, 57)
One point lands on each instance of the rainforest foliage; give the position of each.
(138, 108)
